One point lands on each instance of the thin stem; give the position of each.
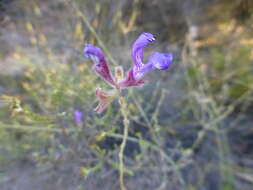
(92, 30)
(124, 113)
(30, 128)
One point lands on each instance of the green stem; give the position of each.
(124, 113)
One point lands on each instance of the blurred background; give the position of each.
(190, 126)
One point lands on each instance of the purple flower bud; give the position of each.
(100, 66)
(78, 116)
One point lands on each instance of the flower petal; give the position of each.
(93, 52)
(141, 72)
(161, 61)
(105, 98)
(157, 60)
(138, 48)
(100, 66)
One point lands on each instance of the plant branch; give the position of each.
(124, 113)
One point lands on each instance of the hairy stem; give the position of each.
(124, 113)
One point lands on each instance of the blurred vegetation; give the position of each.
(190, 127)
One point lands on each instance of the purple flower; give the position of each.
(78, 116)
(100, 66)
(134, 77)
(156, 60)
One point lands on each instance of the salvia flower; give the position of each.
(156, 60)
(134, 77)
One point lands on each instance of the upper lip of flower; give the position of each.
(100, 66)
(150, 37)
(138, 48)
(91, 51)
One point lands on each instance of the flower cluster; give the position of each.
(134, 77)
